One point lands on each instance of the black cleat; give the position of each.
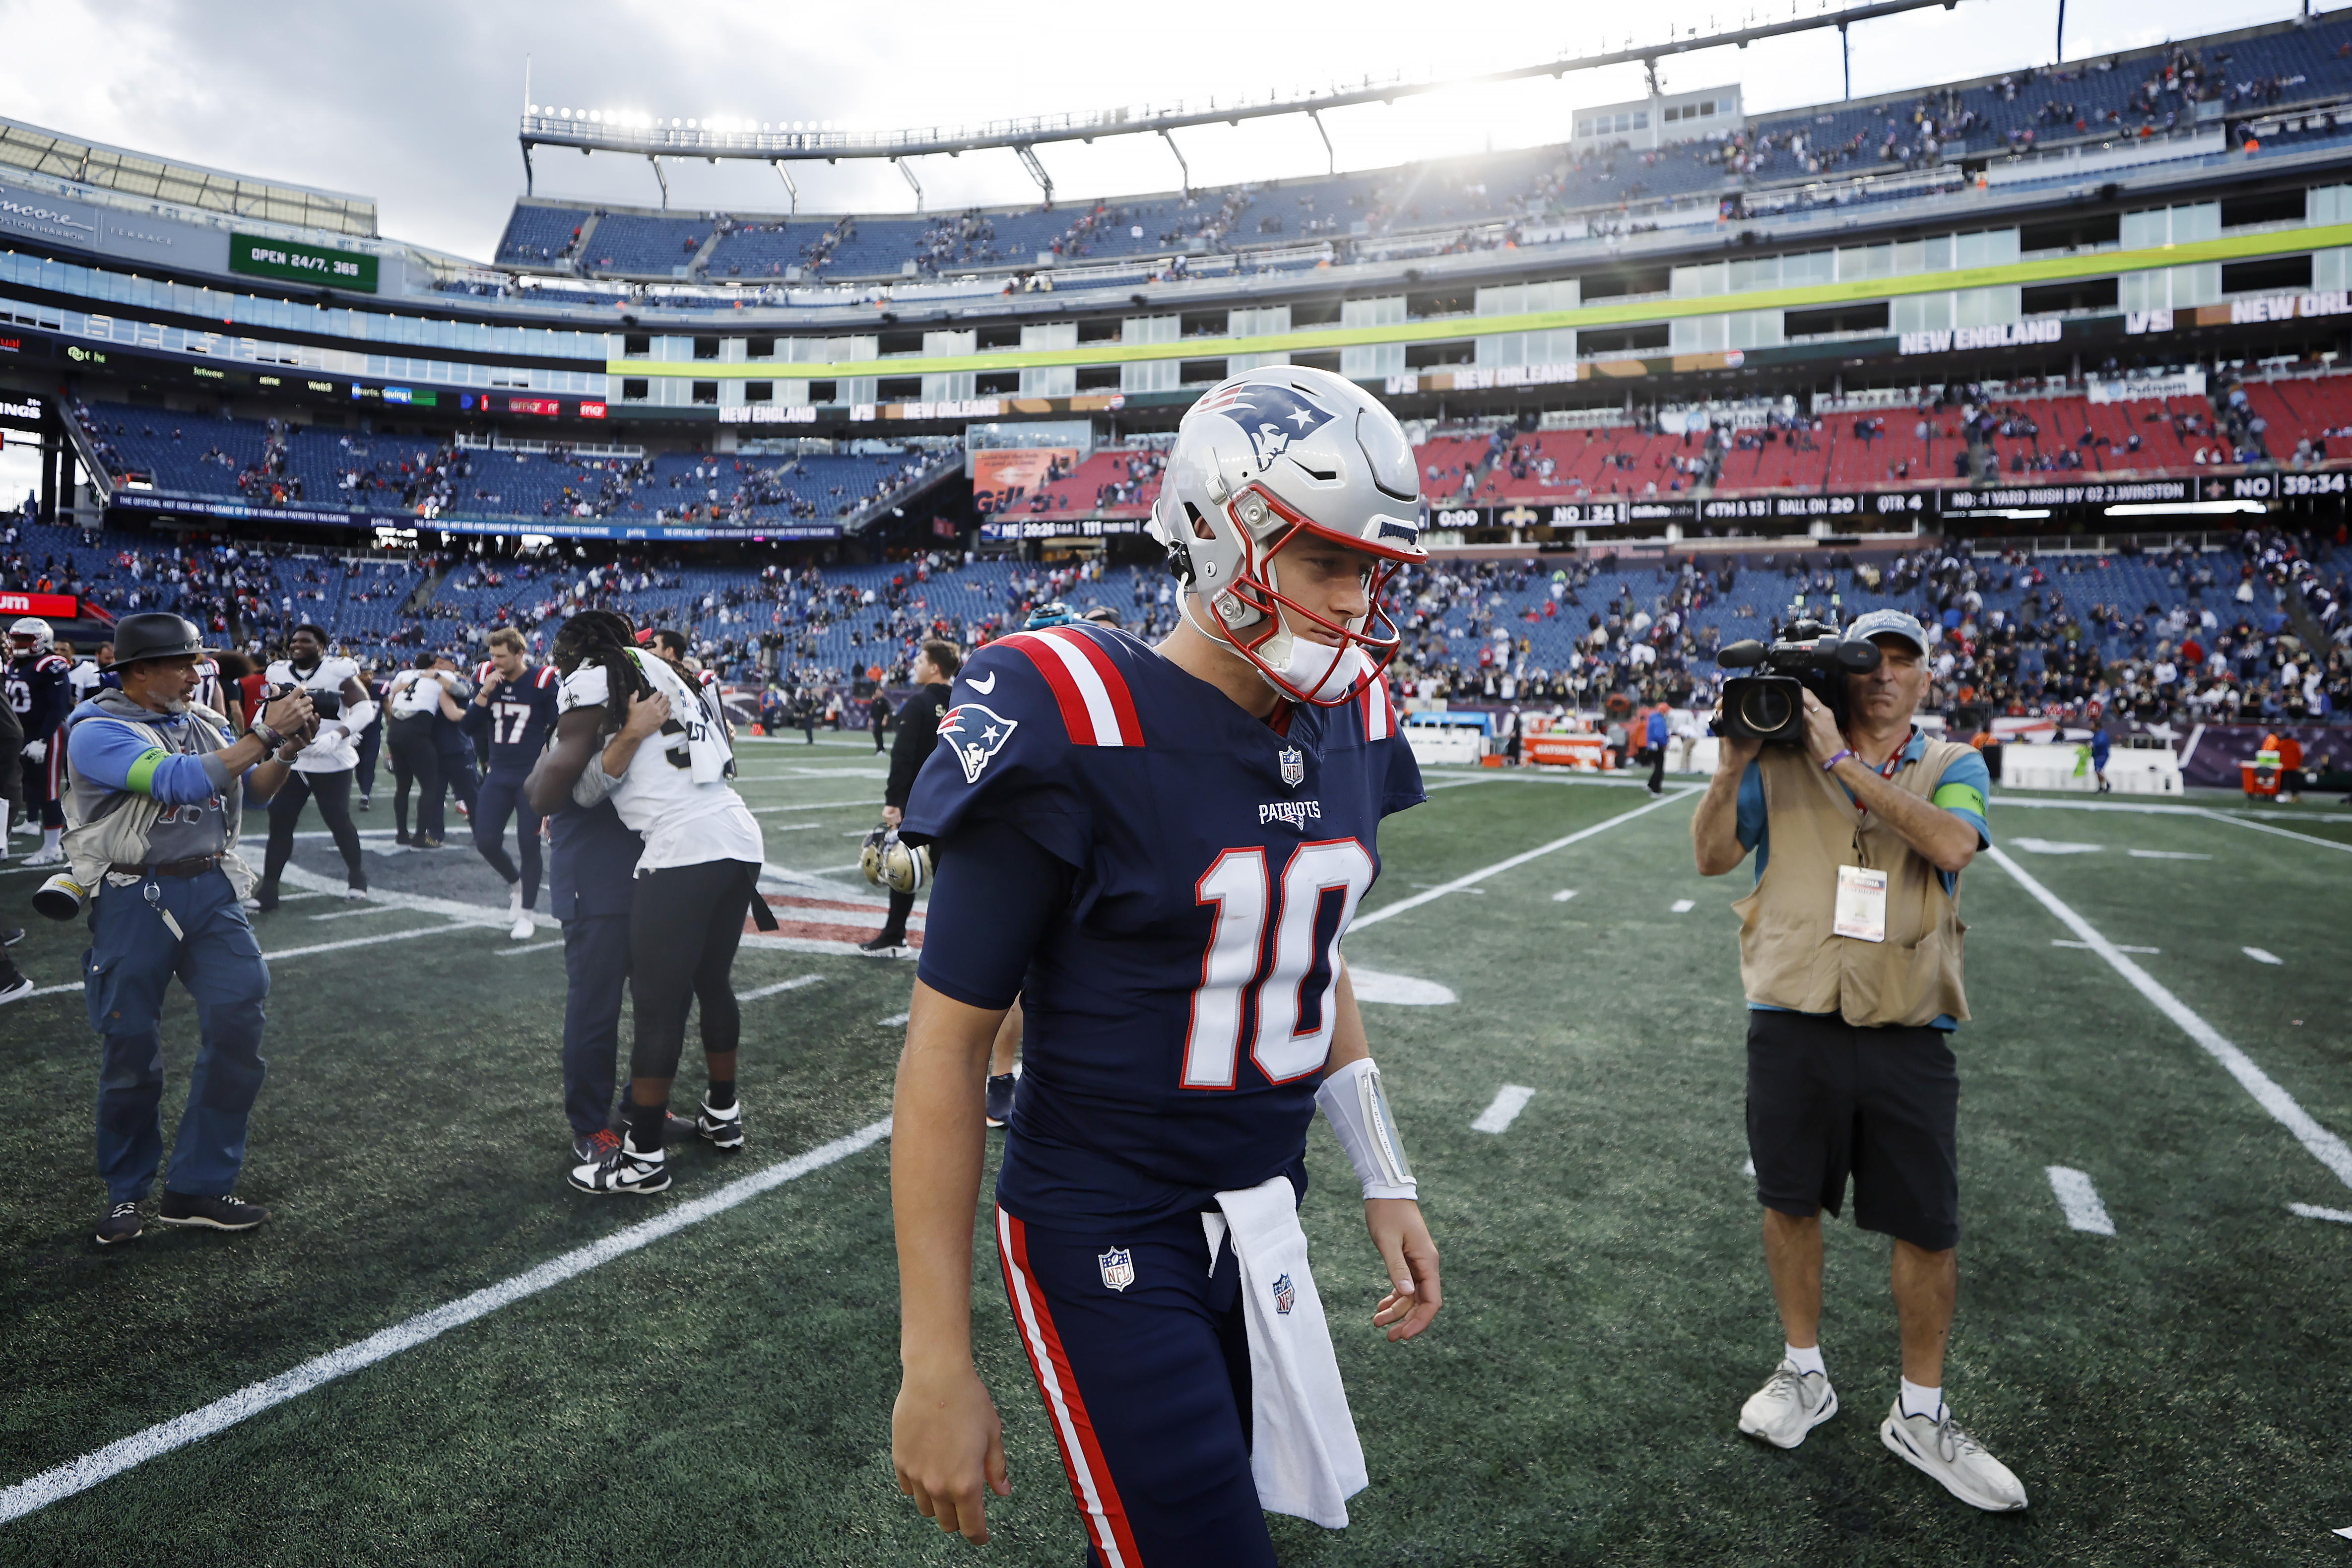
(205, 1212)
(883, 946)
(12, 936)
(722, 1130)
(121, 1223)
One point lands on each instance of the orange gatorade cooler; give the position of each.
(2259, 777)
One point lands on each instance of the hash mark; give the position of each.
(1563, 895)
(1685, 906)
(2080, 1199)
(2261, 955)
(1510, 1100)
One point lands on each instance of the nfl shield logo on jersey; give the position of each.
(1117, 1268)
(1283, 1295)
(1293, 766)
(976, 734)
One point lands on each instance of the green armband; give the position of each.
(141, 779)
(1959, 797)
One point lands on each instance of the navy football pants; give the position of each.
(1147, 1388)
(596, 966)
(501, 795)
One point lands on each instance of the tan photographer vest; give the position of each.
(1788, 957)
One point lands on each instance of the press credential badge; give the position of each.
(1861, 904)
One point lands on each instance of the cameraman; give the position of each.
(918, 733)
(1850, 954)
(157, 805)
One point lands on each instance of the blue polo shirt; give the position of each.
(1964, 791)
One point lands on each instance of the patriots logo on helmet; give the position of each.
(1284, 1296)
(1293, 766)
(1273, 416)
(977, 735)
(1117, 1268)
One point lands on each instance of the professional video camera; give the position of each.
(1810, 656)
(325, 704)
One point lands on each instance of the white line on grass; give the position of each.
(795, 983)
(529, 947)
(2261, 955)
(820, 805)
(365, 909)
(2080, 1200)
(2313, 1211)
(1510, 1100)
(893, 1021)
(1685, 906)
(2086, 947)
(1538, 852)
(2324, 1146)
(80, 1475)
(2165, 854)
(2278, 832)
(315, 947)
(1563, 895)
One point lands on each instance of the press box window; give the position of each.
(758, 348)
(636, 345)
(632, 389)
(759, 392)
(706, 348)
(823, 391)
(706, 392)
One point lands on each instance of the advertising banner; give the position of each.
(48, 606)
(1002, 474)
(2189, 383)
(23, 410)
(289, 261)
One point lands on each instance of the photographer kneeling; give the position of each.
(1850, 954)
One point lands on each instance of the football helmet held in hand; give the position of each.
(888, 864)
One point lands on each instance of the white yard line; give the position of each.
(1510, 1100)
(2277, 832)
(285, 953)
(1563, 895)
(1685, 906)
(2324, 1146)
(2080, 1199)
(2261, 955)
(893, 1020)
(2165, 854)
(528, 947)
(2086, 947)
(80, 1475)
(795, 983)
(454, 908)
(2313, 1211)
(1538, 853)
(819, 806)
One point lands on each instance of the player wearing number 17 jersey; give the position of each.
(1157, 849)
(510, 715)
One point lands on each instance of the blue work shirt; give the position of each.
(1964, 791)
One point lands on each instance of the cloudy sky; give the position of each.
(416, 104)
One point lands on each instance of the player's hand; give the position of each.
(891, 815)
(649, 711)
(492, 681)
(1413, 1295)
(1822, 738)
(946, 1446)
(36, 751)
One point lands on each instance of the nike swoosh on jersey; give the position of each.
(982, 687)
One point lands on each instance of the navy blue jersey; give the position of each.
(1178, 1007)
(40, 689)
(512, 729)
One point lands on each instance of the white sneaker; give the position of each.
(622, 1169)
(1790, 1405)
(47, 855)
(354, 893)
(523, 927)
(1953, 1457)
(514, 900)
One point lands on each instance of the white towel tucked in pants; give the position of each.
(1303, 1449)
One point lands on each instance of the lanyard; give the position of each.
(1887, 771)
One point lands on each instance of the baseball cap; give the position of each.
(1880, 623)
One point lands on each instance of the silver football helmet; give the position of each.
(30, 633)
(1264, 459)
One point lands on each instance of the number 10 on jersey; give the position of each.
(1238, 961)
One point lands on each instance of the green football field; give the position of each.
(2160, 1001)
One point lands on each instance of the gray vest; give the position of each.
(104, 818)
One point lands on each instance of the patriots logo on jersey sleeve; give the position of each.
(1273, 416)
(977, 735)
(1117, 1268)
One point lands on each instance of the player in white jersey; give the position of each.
(631, 724)
(323, 771)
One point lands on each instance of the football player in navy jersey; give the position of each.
(510, 719)
(1159, 851)
(40, 689)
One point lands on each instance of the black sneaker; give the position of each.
(720, 1128)
(588, 1148)
(12, 936)
(208, 1213)
(1000, 1099)
(363, 803)
(621, 1170)
(424, 843)
(402, 837)
(883, 946)
(14, 985)
(121, 1223)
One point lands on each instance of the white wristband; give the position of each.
(1352, 1102)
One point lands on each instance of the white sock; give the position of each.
(1918, 1401)
(1807, 1360)
(50, 836)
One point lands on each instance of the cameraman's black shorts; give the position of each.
(1826, 1100)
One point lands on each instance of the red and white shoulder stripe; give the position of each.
(482, 671)
(1377, 707)
(1097, 709)
(546, 675)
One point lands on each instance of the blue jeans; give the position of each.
(596, 965)
(131, 959)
